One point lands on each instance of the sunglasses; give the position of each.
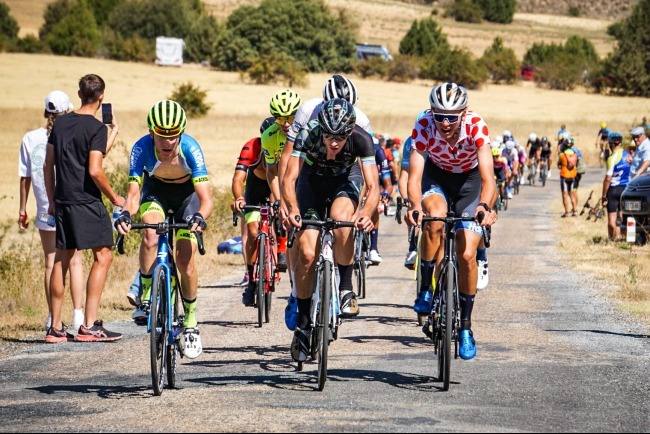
(441, 117)
(162, 132)
(284, 119)
(635, 137)
(334, 138)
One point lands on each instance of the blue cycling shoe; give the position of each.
(424, 303)
(291, 313)
(467, 350)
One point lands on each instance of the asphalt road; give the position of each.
(552, 356)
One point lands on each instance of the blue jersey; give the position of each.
(382, 163)
(144, 159)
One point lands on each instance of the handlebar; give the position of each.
(248, 208)
(328, 224)
(161, 228)
(450, 220)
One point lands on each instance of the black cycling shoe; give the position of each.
(300, 345)
(248, 296)
(282, 262)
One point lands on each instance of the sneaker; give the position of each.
(349, 304)
(483, 275)
(190, 343)
(134, 293)
(282, 262)
(374, 257)
(244, 280)
(77, 319)
(467, 349)
(424, 303)
(54, 336)
(96, 333)
(248, 296)
(291, 313)
(300, 345)
(510, 195)
(411, 258)
(141, 314)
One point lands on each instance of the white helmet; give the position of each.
(565, 135)
(532, 137)
(448, 96)
(510, 144)
(337, 86)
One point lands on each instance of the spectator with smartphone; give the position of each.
(75, 152)
(30, 170)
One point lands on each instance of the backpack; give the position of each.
(571, 160)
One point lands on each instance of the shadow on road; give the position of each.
(602, 332)
(24, 341)
(108, 392)
(387, 320)
(407, 341)
(231, 324)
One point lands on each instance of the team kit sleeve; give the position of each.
(479, 131)
(363, 146)
(137, 161)
(299, 122)
(420, 134)
(249, 154)
(196, 160)
(304, 142)
(24, 160)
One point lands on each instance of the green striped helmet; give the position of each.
(285, 103)
(167, 118)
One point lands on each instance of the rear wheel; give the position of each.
(158, 335)
(261, 279)
(448, 324)
(324, 323)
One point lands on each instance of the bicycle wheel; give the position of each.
(448, 324)
(172, 350)
(324, 323)
(261, 278)
(158, 335)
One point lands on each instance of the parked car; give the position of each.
(635, 202)
(364, 51)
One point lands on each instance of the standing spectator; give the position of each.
(30, 170)
(581, 169)
(618, 176)
(75, 150)
(562, 132)
(642, 157)
(601, 142)
(568, 171)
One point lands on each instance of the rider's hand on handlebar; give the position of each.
(240, 203)
(364, 222)
(293, 220)
(489, 217)
(123, 223)
(409, 216)
(197, 223)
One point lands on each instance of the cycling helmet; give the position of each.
(615, 136)
(506, 134)
(167, 118)
(544, 140)
(448, 96)
(266, 123)
(496, 152)
(510, 144)
(285, 103)
(603, 125)
(337, 117)
(532, 137)
(340, 87)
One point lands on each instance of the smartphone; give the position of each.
(107, 114)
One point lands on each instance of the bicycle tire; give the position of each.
(261, 278)
(172, 350)
(449, 321)
(158, 341)
(362, 272)
(324, 323)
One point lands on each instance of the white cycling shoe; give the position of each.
(411, 257)
(374, 257)
(191, 343)
(483, 275)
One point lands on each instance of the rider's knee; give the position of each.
(185, 263)
(150, 239)
(469, 256)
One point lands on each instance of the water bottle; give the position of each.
(117, 210)
(47, 219)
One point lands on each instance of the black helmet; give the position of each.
(266, 123)
(340, 87)
(337, 117)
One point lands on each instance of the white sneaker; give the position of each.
(510, 195)
(374, 257)
(77, 319)
(48, 322)
(244, 281)
(191, 343)
(134, 291)
(411, 257)
(483, 275)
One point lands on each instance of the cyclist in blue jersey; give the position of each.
(387, 189)
(618, 176)
(168, 172)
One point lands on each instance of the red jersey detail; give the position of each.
(250, 155)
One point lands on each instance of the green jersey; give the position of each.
(273, 140)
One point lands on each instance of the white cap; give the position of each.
(638, 131)
(57, 102)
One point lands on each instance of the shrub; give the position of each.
(455, 65)
(152, 18)
(465, 11)
(423, 38)
(192, 98)
(574, 11)
(233, 53)
(54, 13)
(498, 11)
(277, 68)
(8, 25)
(76, 34)
(199, 43)
(29, 44)
(373, 66)
(131, 48)
(560, 71)
(500, 62)
(403, 69)
(102, 9)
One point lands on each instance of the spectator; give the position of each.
(75, 151)
(618, 176)
(30, 170)
(642, 156)
(581, 169)
(568, 171)
(562, 132)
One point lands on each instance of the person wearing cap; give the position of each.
(642, 156)
(30, 170)
(75, 152)
(568, 165)
(617, 178)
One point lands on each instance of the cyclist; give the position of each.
(169, 168)
(330, 150)
(502, 170)
(453, 163)
(251, 171)
(545, 156)
(602, 142)
(511, 154)
(385, 181)
(534, 147)
(618, 176)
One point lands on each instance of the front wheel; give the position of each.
(158, 335)
(261, 279)
(324, 323)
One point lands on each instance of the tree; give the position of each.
(465, 11)
(54, 13)
(76, 34)
(500, 62)
(8, 25)
(424, 37)
(498, 11)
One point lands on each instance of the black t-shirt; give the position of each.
(73, 137)
(535, 144)
(310, 147)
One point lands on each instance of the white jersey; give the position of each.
(309, 110)
(30, 165)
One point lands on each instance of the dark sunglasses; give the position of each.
(441, 117)
(335, 138)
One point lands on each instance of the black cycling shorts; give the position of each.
(257, 190)
(567, 184)
(83, 226)
(314, 191)
(614, 198)
(161, 197)
(576, 183)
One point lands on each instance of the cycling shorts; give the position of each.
(567, 184)
(462, 189)
(160, 197)
(256, 194)
(500, 174)
(614, 198)
(534, 153)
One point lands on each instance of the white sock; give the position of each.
(294, 291)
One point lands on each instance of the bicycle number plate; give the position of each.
(632, 205)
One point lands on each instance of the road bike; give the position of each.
(165, 320)
(361, 260)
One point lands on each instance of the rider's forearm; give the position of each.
(24, 192)
(237, 186)
(402, 182)
(133, 198)
(273, 180)
(606, 184)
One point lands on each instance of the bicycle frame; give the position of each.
(165, 261)
(326, 258)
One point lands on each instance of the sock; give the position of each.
(466, 306)
(426, 270)
(413, 244)
(145, 287)
(345, 274)
(481, 254)
(190, 313)
(282, 244)
(374, 237)
(251, 273)
(294, 290)
(304, 313)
